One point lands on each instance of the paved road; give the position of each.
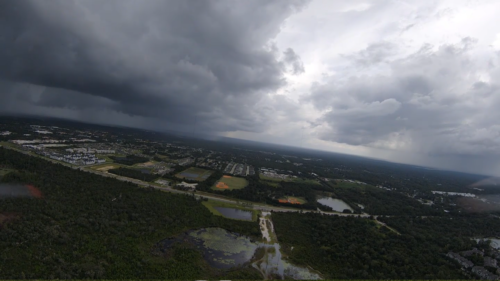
(255, 206)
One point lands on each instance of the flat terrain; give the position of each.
(229, 182)
(195, 174)
(342, 183)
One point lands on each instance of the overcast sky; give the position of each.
(407, 81)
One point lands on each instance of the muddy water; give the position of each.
(234, 213)
(223, 250)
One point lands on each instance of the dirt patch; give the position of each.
(290, 201)
(227, 177)
(147, 164)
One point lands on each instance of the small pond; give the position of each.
(144, 171)
(234, 213)
(334, 203)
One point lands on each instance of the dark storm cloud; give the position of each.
(293, 61)
(183, 62)
(436, 100)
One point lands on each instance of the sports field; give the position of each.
(292, 200)
(229, 182)
(195, 174)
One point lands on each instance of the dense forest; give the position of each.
(87, 226)
(342, 247)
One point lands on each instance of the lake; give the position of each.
(234, 213)
(145, 171)
(334, 203)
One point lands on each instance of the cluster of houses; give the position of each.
(238, 169)
(454, 193)
(478, 270)
(274, 174)
(77, 158)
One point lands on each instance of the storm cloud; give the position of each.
(436, 100)
(413, 82)
(180, 62)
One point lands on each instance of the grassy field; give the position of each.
(212, 204)
(194, 173)
(8, 144)
(105, 167)
(306, 181)
(271, 183)
(266, 178)
(228, 182)
(342, 183)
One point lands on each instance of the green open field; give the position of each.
(211, 204)
(266, 178)
(230, 182)
(193, 173)
(8, 144)
(105, 167)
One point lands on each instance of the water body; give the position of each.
(145, 171)
(334, 203)
(234, 213)
(224, 250)
(189, 176)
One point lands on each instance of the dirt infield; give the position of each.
(222, 185)
(291, 200)
(228, 182)
(106, 168)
